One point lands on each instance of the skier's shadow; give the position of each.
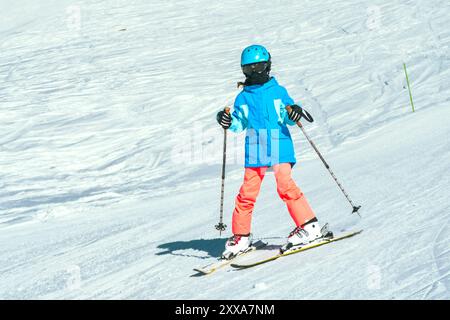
(213, 247)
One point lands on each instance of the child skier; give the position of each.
(260, 108)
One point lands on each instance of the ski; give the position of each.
(212, 267)
(293, 251)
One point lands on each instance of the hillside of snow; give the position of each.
(110, 155)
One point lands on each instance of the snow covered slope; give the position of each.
(110, 154)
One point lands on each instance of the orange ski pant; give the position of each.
(288, 191)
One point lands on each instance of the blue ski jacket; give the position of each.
(261, 110)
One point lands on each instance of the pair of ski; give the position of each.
(259, 245)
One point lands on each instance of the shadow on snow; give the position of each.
(213, 247)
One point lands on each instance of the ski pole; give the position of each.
(221, 226)
(355, 208)
(409, 87)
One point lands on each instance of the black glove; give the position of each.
(298, 112)
(224, 119)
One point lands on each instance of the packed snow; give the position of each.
(110, 155)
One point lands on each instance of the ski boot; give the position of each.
(235, 245)
(306, 234)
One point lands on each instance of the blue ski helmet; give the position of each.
(254, 54)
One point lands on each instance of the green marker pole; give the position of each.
(409, 87)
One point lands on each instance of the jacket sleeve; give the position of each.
(239, 117)
(287, 101)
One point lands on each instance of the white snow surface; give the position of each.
(110, 155)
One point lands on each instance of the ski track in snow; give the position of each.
(110, 155)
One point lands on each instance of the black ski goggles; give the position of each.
(258, 67)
